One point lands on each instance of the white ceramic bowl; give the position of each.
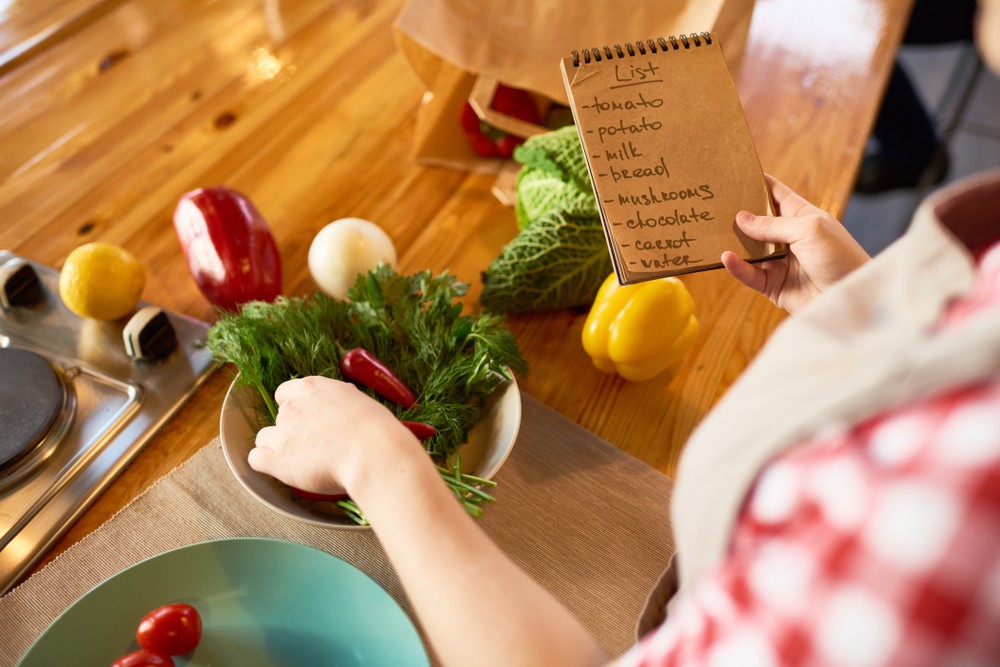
(488, 446)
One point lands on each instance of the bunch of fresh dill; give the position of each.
(413, 324)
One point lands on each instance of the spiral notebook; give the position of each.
(669, 153)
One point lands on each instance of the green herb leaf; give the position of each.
(413, 324)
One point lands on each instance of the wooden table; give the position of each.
(112, 109)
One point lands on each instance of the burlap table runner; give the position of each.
(583, 518)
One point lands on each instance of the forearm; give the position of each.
(476, 606)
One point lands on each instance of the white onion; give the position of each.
(345, 248)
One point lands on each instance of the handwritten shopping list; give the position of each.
(670, 156)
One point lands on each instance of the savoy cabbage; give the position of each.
(560, 257)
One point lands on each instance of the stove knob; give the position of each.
(19, 284)
(149, 334)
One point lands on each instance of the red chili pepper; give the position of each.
(320, 497)
(489, 141)
(420, 429)
(363, 367)
(228, 247)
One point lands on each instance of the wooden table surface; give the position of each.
(113, 109)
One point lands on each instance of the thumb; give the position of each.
(772, 229)
(261, 459)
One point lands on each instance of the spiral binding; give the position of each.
(641, 47)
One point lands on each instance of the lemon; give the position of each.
(101, 281)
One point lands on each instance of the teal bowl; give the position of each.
(262, 602)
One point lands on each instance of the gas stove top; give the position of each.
(78, 400)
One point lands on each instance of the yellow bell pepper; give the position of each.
(641, 330)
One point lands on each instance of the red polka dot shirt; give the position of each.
(874, 545)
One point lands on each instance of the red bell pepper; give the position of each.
(489, 141)
(361, 366)
(228, 247)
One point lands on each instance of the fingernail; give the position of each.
(744, 217)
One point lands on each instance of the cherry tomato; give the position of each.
(173, 629)
(144, 658)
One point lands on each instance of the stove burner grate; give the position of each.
(31, 398)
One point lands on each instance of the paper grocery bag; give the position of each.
(462, 48)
